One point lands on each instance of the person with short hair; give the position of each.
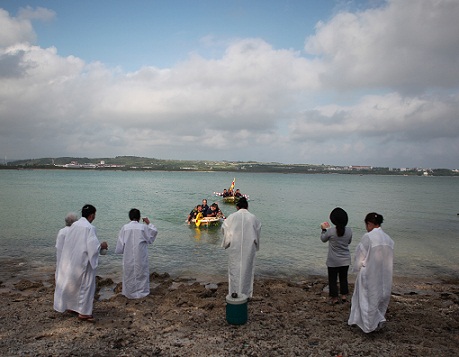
(205, 207)
(214, 211)
(241, 231)
(69, 219)
(133, 241)
(373, 262)
(194, 212)
(76, 281)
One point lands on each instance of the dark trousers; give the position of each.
(333, 273)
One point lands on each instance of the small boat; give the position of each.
(207, 222)
(231, 198)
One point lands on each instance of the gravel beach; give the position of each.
(183, 317)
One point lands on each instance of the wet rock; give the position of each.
(212, 287)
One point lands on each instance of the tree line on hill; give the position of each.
(144, 163)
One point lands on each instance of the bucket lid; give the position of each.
(240, 299)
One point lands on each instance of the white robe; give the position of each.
(374, 262)
(76, 281)
(59, 245)
(133, 241)
(241, 231)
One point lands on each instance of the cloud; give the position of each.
(376, 87)
(20, 29)
(39, 13)
(407, 46)
(15, 30)
(391, 116)
(244, 90)
(381, 126)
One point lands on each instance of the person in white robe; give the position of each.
(76, 280)
(373, 261)
(70, 218)
(241, 238)
(133, 241)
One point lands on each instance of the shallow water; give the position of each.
(420, 215)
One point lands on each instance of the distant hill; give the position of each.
(145, 163)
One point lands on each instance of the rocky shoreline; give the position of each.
(183, 317)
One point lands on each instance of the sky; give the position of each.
(337, 82)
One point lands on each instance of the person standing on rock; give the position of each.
(70, 218)
(339, 257)
(373, 261)
(133, 241)
(76, 281)
(241, 237)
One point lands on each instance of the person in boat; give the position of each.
(237, 193)
(225, 193)
(214, 211)
(205, 207)
(219, 212)
(194, 212)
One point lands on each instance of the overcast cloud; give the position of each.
(377, 87)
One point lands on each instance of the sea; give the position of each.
(420, 214)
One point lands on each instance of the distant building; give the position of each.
(73, 165)
(352, 167)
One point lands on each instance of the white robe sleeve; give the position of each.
(361, 253)
(151, 233)
(226, 234)
(119, 249)
(93, 248)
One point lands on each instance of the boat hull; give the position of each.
(230, 200)
(207, 222)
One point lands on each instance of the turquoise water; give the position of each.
(420, 215)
